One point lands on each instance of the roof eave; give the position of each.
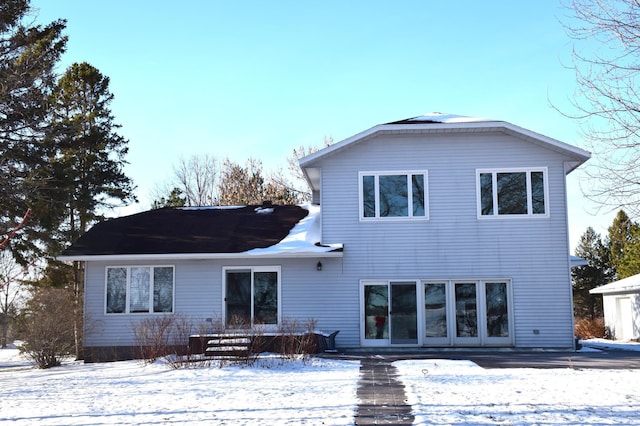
(578, 154)
(327, 253)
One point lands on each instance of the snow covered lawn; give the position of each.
(128, 392)
(461, 392)
(318, 392)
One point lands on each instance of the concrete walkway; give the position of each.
(381, 395)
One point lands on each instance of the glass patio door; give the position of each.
(390, 313)
(436, 313)
(404, 321)
(466, 313)
(375, 303)
(498, 325)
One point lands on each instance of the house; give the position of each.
(437, 231)
(621, 302)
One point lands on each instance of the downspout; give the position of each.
(568, 167)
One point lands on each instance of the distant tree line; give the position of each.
(202, 180)
(609, 258)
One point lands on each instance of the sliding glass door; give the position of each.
(390, 313)
(437, 313)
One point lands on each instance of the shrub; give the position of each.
(588, 328)
(48, 327)
(297, 340)
(152, 337)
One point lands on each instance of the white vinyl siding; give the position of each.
(306, 294)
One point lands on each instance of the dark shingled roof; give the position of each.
(191, 230)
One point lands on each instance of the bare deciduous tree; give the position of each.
(606, 60)
(12, 293)
(202, 181)
(194, 183)
(196, 177)
(245, 185)
(296, 182)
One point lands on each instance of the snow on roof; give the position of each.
(438, 117)
(304, 238)
(629, 284)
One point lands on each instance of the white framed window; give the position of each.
(251, 296)
(512, 193)
(139, 289)
(394, 195)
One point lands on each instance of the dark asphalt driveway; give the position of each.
(609, 359)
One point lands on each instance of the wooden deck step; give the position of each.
(228, 347)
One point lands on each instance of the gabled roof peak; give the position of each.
(440, 118)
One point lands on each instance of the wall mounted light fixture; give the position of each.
(319, 266)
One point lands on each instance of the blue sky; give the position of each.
(257, 79)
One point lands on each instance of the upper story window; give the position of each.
(139, 289)
(393, 195)
(512, 193)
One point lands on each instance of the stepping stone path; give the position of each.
(381, 395)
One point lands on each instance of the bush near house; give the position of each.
(588, 328)
(47, 327)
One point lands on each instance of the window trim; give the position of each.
(128, 289)
(494, 173)
(408, 174)
(253, 269)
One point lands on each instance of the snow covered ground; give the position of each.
(460, 392)
(271, 393)
(315, 392)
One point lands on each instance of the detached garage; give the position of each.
(621, 300)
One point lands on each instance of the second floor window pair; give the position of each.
(500, 193)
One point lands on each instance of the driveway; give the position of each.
(605, 359)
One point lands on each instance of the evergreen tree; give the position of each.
(595, 273)
(28, 55)
(174, 199)
(630, 263)
(89, 153)
(619, 235)
(88, 158)
(624, 246)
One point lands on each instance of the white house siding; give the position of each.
(454, 243)
(307, 294)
